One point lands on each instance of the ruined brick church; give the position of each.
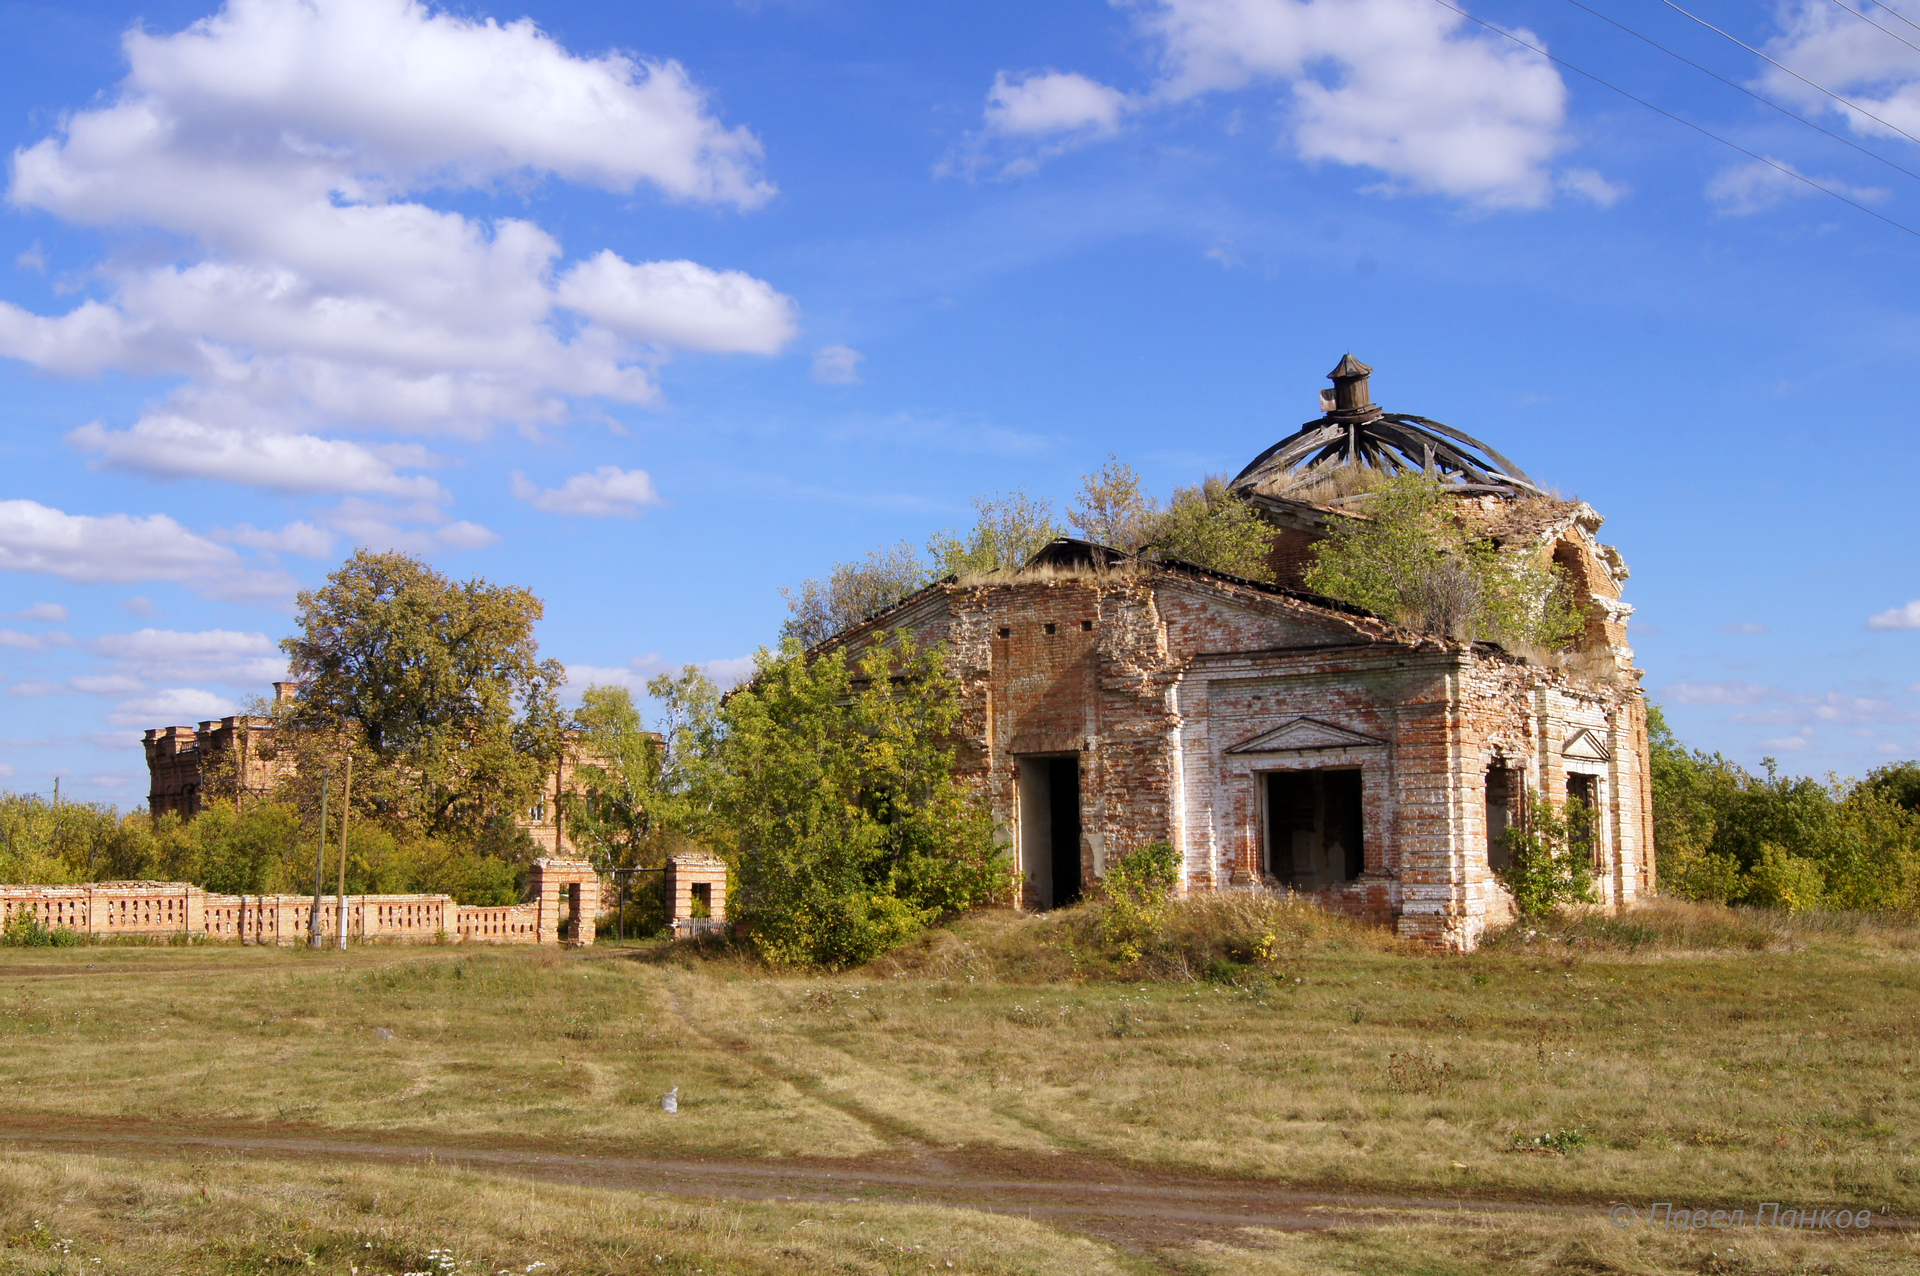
(1281, 739)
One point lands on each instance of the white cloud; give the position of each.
(1588, 184)
(419, 528)
(235, 657)
(633, 675)
(1743, 627)
(286, 145)
(17, 641)
(172, 447)
(107, 684)
(436, 94)
(121, 548)
(297, 537)
(1033, 118)
(837, 365)
(1402, 86)
(6, 770)
(1907, 617)
(35, 688)
(680, 303)
(606, 492)
(1731, 692)
(168, 645)
(173, 706)
(1751, 188)
(140, 605)
(40, 611)
(1052, 102)
(728, 672)
(1844, 54)
(34, 259)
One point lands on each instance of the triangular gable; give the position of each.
(1585, 746)
(1306, 735)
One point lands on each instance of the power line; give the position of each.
(1845, 141)
(1896, 13)
(1790, 71)
(1877, 27)
(1774, 164)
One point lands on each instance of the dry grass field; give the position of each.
(214, 1109)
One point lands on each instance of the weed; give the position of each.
(1561, 1141)
(1409, 1073)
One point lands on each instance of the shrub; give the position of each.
(24, 930)
(1784, 880)
(1137, 888)
(834, 786)
(1552, 861)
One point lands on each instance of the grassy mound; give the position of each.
(1234, 937)
(1671, 925)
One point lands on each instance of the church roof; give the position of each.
(1355, 432)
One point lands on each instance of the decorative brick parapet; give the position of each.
(168, 910)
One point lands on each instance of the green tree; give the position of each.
(838, 803)
(646, 792)
(1552, 856)
(257, 851)
(1215, 527)
(1898, 782)
(439, 684)
(1409, 558)
(1871, 856)
(1011, 528)
(1113, 509)
(851, 593)
(44, 844)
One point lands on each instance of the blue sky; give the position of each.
(658, 308)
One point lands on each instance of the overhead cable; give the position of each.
(1876, 26)
(1850, 105)
(1765, 101)
(1774, 164)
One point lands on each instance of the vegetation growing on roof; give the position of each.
(1206, 524)
(1410, 558)
(1011, 528)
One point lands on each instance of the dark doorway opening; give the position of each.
(1503, 788)
(1063, 781)
(1050, 830)
(1315, 833)
(1583, 822)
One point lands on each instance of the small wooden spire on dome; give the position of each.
(1350, 393)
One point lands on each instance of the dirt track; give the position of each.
(1130, 1205)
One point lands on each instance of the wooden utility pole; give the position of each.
(346, 814)
(319, 871)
